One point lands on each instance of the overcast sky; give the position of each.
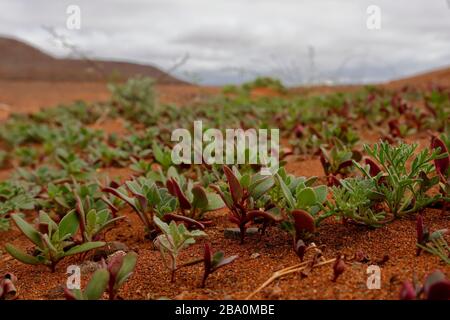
(229, 41)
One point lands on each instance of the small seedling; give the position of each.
(338, 268)
(53, 241)
(94, 289)
(213, 261)
(196, 201)
(147, 200)
(433, 243)
(304, 203)
(435, 287)
(110, 277)
(339, 159)
(174, 239)
(442, 167)
(242, 195)
(120, 268)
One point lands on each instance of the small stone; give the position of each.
(109, 249)
(182, 296)
(274, 293)
(111, 256)
(235, 233)
(255, 255)
(89, 266)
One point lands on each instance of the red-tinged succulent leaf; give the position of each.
(69, 295)
(345, 164)
(332, 180)
(111, 207)
(222, 196)
(184, 202)
(235, 187)
(143, 202)
(122, 196)
(299, 130)
(394, 128)
(264, 214)
(300, 249)
(200, 197)
(207, 256)
(234, 220)
(431, 279)
(407, 292)
(374, 168)
(303, 221)
(443, 164)
(170, 187)
(168, 217)
(114, 184)
(115, 264)
(324, 161)
(439, 290)
(338, 268)
(43, 228)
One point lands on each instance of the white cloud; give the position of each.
(231, 40)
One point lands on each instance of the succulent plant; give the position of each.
(174, 239)
(435, 287)
(213, 261)
(303, 205)
(195, 201)
(241, 196)
(52, 241)
(110, 277)
(403, 187)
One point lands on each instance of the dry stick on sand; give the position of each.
(292, 269)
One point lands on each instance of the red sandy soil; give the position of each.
(30, 96)
(257, 259)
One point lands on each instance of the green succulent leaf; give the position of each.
(128, 265)
(69, 224)
(97, 285)
(84, 247)
(28, 230)
(21, 256)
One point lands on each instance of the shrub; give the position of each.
(357, 199)
(403, 187)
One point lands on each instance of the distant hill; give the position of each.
(435, 77)
(21, 61)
